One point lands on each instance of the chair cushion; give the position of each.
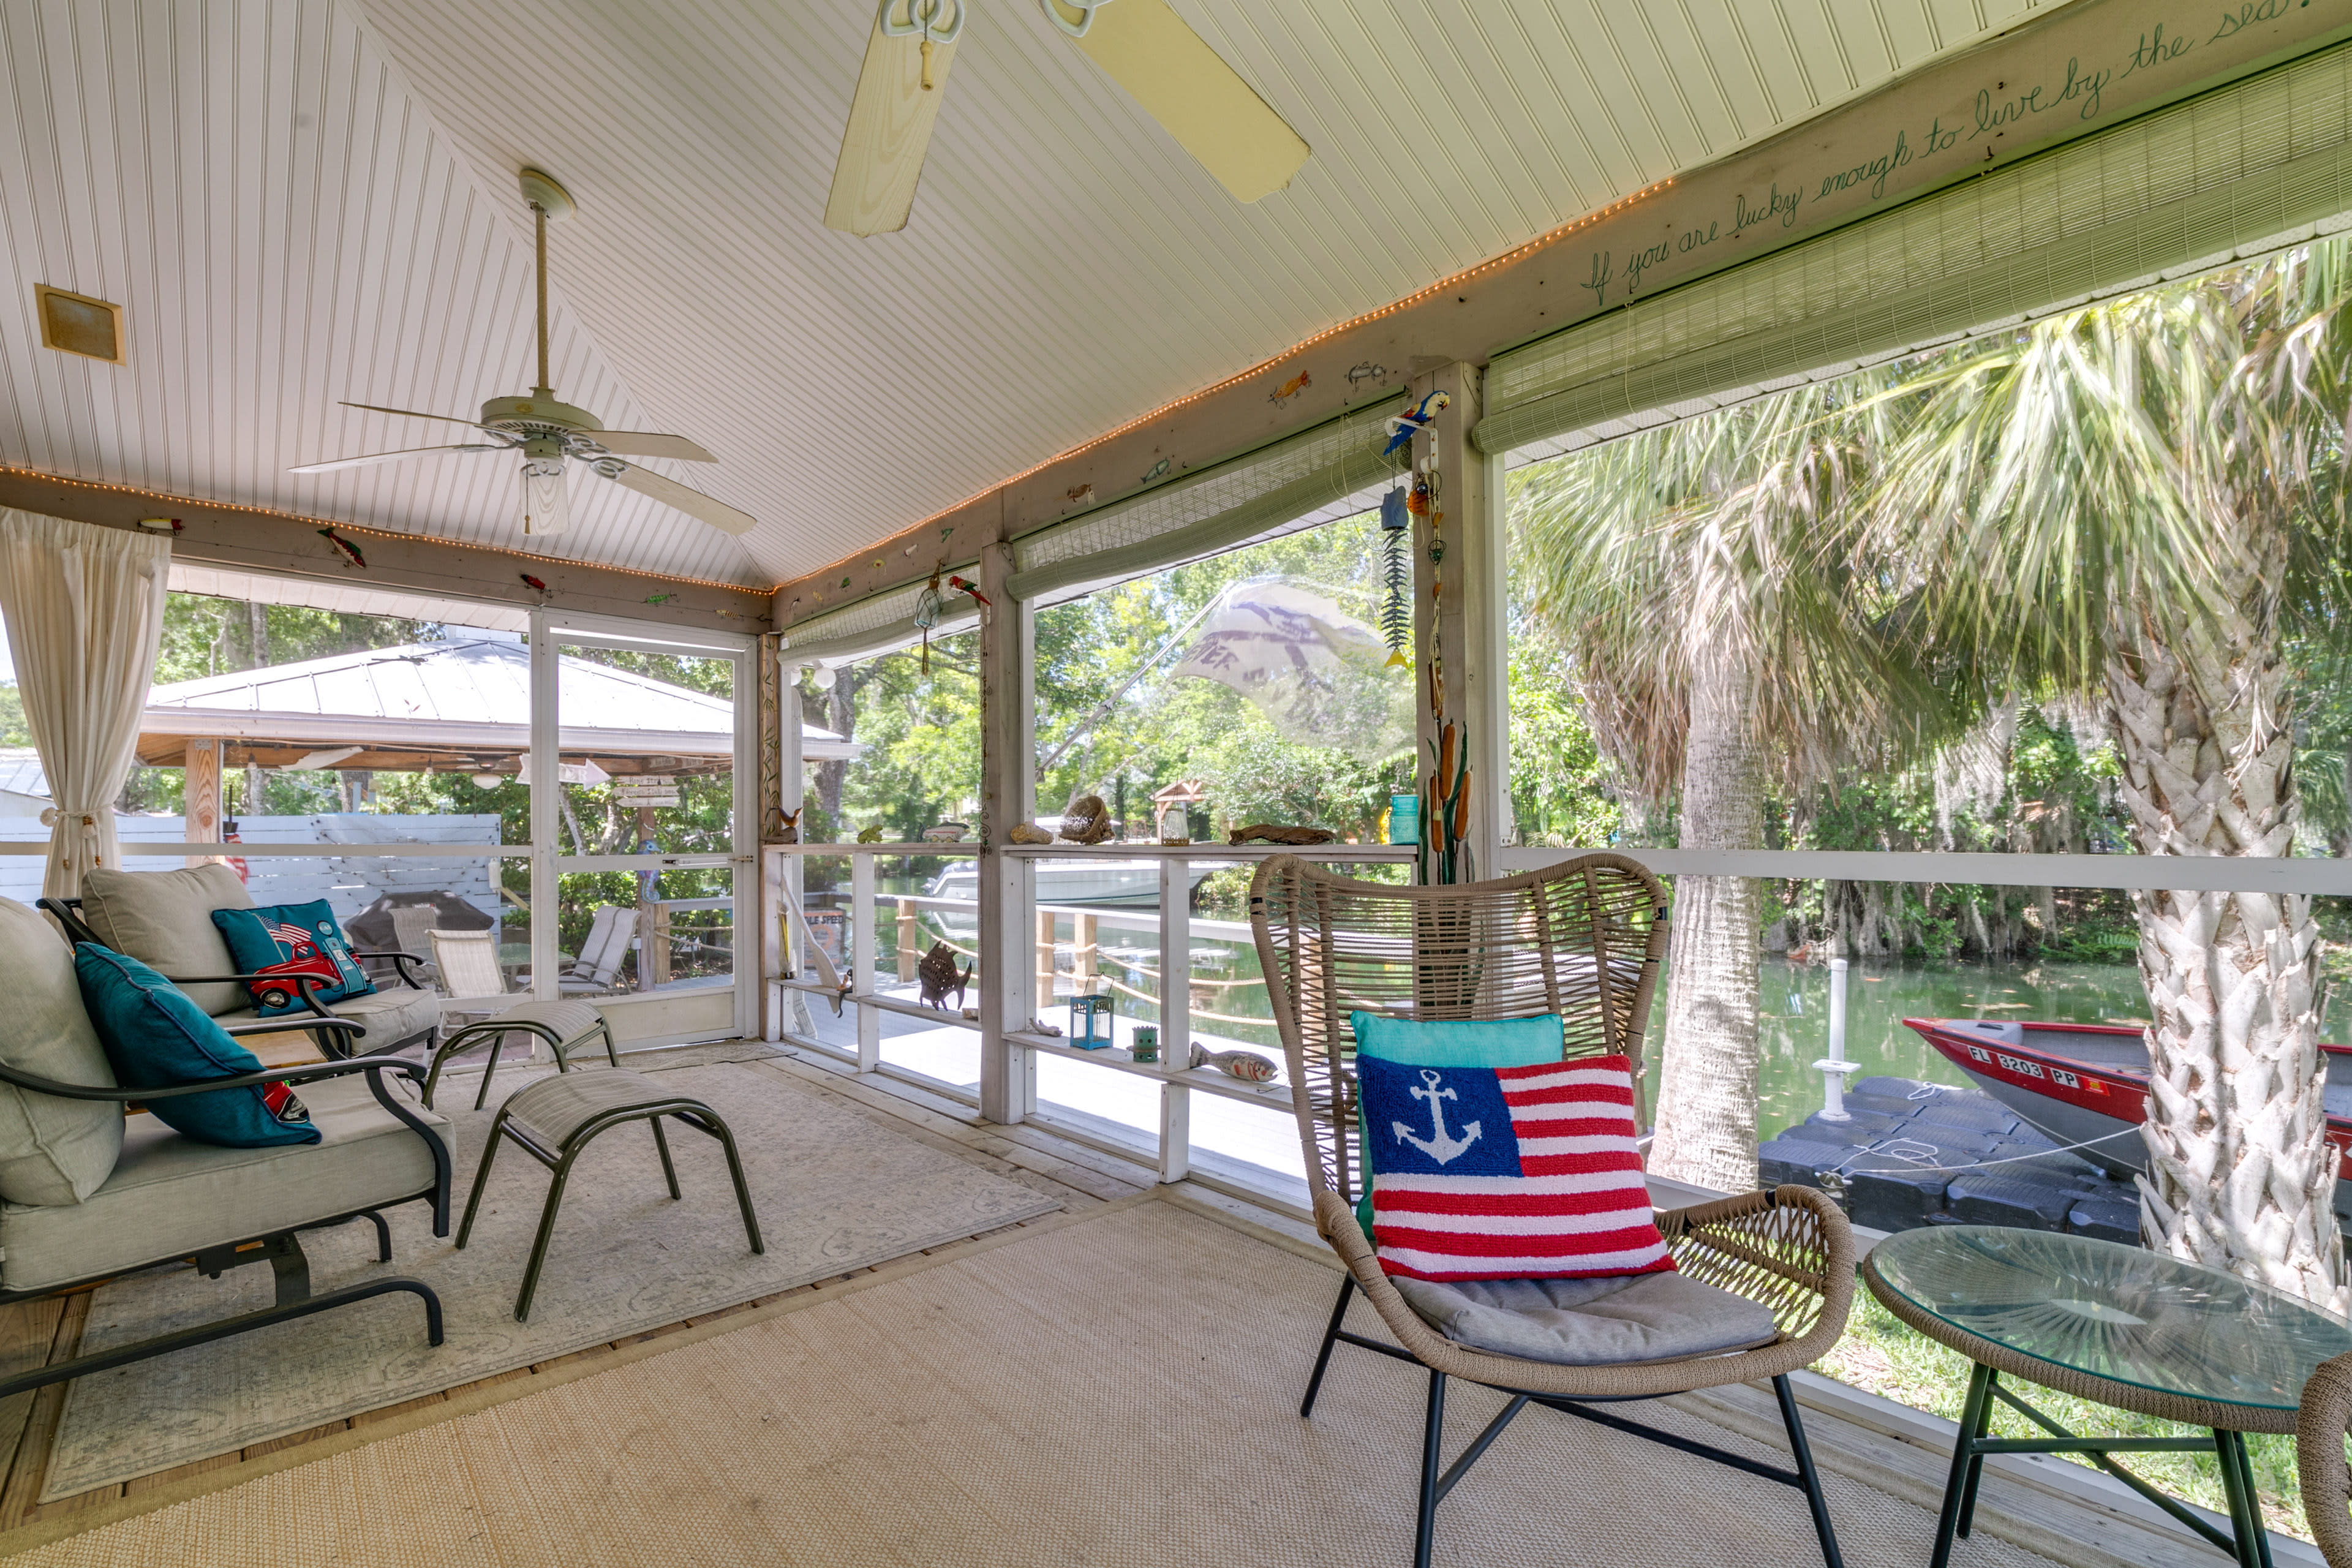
(395, 1013)
(571, 1021)
(554, 1109)
(52, 1150)
(1592, 1322)
(289, 942)
(156, 1037)
(164, 920)
(170, 1195)
(1507, 1172)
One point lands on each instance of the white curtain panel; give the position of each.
(85, 611)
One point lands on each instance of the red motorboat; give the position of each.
(2087, 1084)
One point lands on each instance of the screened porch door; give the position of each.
(643, 772)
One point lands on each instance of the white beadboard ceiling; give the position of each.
(300, 201)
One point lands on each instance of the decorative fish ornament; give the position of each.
(1290, 389)
(937, 975)
(1248, 1065)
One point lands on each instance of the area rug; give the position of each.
(835, 1193)
(1120, 1390)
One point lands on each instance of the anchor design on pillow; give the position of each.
(1441, 1145)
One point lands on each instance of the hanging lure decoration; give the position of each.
(927, 616)
(1396, 607)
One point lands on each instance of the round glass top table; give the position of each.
(2121, 1325)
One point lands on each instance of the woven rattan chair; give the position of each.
(2326, 1416)
(1583, 939)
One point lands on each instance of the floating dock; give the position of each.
(1912, 1153)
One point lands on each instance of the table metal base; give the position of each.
(2249, 1545)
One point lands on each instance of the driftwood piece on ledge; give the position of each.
(1274, 833)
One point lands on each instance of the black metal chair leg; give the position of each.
(481, 1179)
(1972, 1413)
(482, 1095)
(1803, 1453)
(383, 1237)
(742, 1188)
(661, 1141)
(539, 1243)
(1433, 1443)
(1330, 1338)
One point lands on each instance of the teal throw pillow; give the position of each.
(155, 1035)
(1496, 1043)
(285, 942)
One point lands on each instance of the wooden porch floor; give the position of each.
(39, 1333)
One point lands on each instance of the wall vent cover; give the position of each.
(77, 325)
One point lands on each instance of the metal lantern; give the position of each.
(1090, 1022)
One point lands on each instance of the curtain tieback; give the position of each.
(87, 821)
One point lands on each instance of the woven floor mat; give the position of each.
(1119, 1391)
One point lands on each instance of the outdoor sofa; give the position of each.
(88, 1194)
(164, 920)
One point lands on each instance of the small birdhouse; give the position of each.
(1090, 1022)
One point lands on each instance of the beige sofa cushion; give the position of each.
(52, 1150)
(164, 920)
(171, 1195)
(390, 1015)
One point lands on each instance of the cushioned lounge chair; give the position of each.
(1763, 1280)
(163, 918)
(86, 1194)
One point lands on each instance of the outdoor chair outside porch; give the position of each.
(1583, 939)
(614, 928)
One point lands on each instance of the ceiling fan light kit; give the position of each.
(548, 433)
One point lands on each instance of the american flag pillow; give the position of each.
(1521, 1172)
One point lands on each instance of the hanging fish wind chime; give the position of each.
(1396, 604)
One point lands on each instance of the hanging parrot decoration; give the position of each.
(1403, 427)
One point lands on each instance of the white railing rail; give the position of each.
(1173, 940)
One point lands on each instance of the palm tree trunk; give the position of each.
(1706, 1095)
(2241, 1174)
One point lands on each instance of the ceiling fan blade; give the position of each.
(692, 502)
(1196, 97)
(412, 414)
(645, 444)
(391, 456)
(890, 131)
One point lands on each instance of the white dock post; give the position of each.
(1834, 1066)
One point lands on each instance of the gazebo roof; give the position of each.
(458, 703)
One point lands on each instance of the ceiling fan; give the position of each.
(1141, 45)
(549, 434)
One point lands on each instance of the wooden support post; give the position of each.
(1082, 943)
(1007, 791)
(781, 1009)
(545, 898)
(1175, 1017)
(1460, 603)
(204, 796)
(909, 934)
(1042, 985)
(861, 960)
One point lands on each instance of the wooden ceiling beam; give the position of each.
(250, 539)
